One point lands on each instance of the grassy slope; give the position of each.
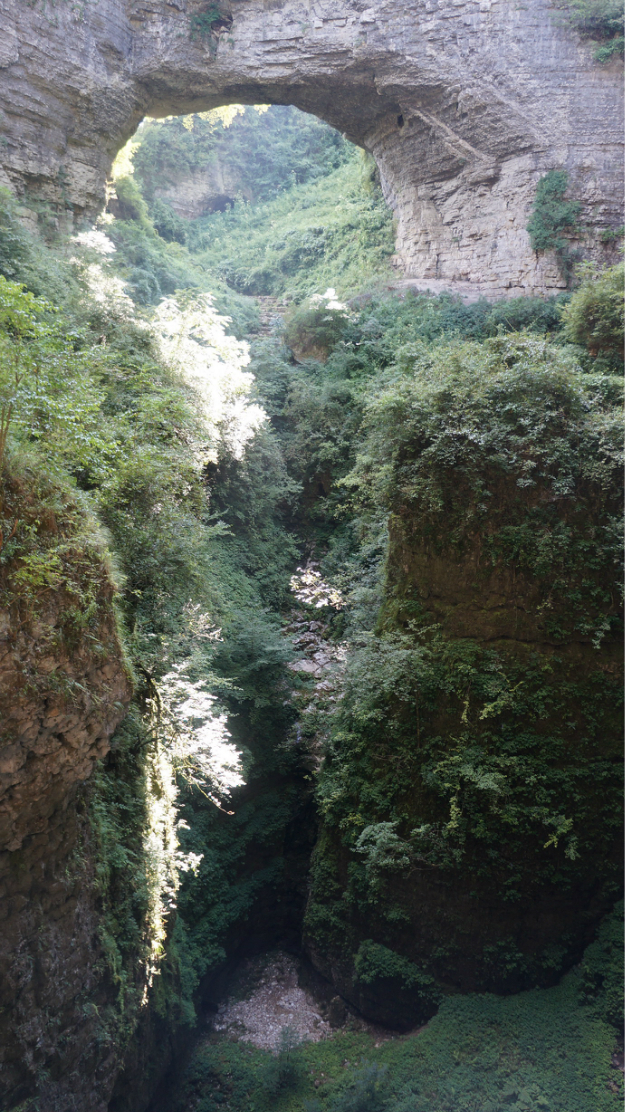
(333, 232)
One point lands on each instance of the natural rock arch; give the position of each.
(463, 104)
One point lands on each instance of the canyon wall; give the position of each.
(64, 687)
(464, 106)
(481, 727)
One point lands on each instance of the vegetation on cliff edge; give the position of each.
(404, 428)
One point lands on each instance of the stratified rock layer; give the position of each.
(464, 105)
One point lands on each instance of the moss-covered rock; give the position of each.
(470, 790)
(64, 686)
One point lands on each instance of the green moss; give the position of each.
(461, 774)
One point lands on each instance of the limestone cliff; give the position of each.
(201, 191)
(471, 790)
(64, 687)
(464, 106)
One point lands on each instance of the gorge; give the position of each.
(311, 626)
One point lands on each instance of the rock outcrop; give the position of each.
(481, 726)
(64, 687)
(464, 106)
(200, 192)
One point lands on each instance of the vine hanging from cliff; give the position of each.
(553, 217)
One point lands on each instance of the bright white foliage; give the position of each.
(95, 240)
(202, 745)
(193, 340)
(104, 287)
(330, 299)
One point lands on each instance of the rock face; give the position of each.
(464, 106)
(481, 726)
(61, 697)
(58, 711)
(201, 192)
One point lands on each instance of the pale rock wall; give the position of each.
(463, 103)
(199, 192)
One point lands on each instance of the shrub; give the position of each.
(285, 1069)
(601, 20)
(367, 1094)
(129, 204)
(375, 962)
(168, 224)
(594, 317)
(552, 215)
(313, 331)
(202, 23)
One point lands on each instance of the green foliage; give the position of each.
(106, 414)
(552, 215)
(601, 20)
(15, 245)
(202, 23)
(25, 258)
(317, 410)
(538, 1050)
(441, 754)
(374, 962)
(285, 1070)
(614, 48)
(610, 235)
(313, 330)
(50, 542)
(151, 268)
(413, 418)
(601, 972)
(169, 226)
(261, 153)
(366, 1094)
(594, 317)
(129, 203)
(117, 811)
(444, 755)
(337, 235)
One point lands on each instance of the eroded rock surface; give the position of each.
(62, 694)
(58, 710)
(464, 106)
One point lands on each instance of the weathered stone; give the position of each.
(50, 739)
(464, 107)
(201, 191)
